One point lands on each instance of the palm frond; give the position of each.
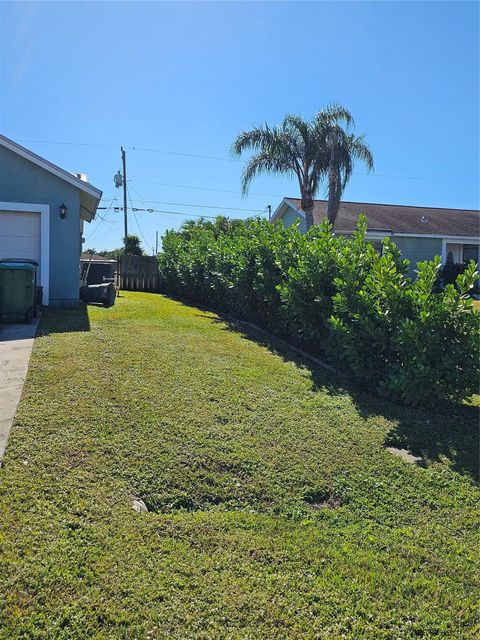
(265, 162)
(334, 113)
(360, 150)
(260, 137)
(296, 125)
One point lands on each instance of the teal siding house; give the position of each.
(421, 233)
(43, 209)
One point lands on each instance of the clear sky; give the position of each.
(185, 78)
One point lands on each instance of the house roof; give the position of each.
(89, 195)
(396, 218)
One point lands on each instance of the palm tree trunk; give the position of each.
(307, 208)
(333, 192)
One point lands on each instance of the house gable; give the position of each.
(29, 187)
(288, 214)
(89, 195)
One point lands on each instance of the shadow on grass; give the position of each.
(451, 431)
(63, 321)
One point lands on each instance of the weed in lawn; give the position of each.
(322, 500)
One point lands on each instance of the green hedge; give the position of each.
(337, 296)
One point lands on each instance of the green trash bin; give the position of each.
(17, 291)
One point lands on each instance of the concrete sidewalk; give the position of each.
(16, 342)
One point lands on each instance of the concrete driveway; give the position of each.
(16, 342)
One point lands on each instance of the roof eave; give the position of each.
(88, 207)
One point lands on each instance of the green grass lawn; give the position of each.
(275, 510)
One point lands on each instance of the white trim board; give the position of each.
(429, 236)
(457, 240)
(285, 202)
(44, 211)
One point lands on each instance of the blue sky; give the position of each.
(185, 78)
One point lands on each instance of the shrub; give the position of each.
(438, 346)
(450, 271)
(337, 295)
(371, 299)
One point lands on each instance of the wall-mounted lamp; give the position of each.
(63, 211)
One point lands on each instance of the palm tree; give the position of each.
(342, 150)
(311, 150)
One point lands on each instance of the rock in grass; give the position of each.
(406, 455)
(139, 505)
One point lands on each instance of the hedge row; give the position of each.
(337, 296)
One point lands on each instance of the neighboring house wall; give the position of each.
(414, 249)
(418, 250)
(290, 216)
(22, 181)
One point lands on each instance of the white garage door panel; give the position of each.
(21, 223)
(20, 235)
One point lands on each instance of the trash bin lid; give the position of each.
(21, 266)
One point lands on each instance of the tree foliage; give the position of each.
(315, 150)
(133, 248)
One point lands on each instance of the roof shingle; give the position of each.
(401, 218)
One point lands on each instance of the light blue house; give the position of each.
(421, 233)
(42, 212)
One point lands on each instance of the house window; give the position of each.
(470, 252)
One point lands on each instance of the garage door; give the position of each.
(20, 235)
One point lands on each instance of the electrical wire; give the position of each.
(186, 186)
(136, 220)
(142, 199)
(177, 213)
(206, 157)
(100, 217)
(131, 148)
(200, 206)
(181, 204)
(102, 221)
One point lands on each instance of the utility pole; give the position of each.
(124, 164)
(156, 243)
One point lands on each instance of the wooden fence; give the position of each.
(138, 273)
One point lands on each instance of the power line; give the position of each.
(186, 155)
(186, 186)
(201, 206)
(136, 220)
(177, 213)
(383, 175)
(102, 221)
(180, 213)
(197, 188)
(97, 215)
(77, 144)
(131, 148)
(184, 204)
(142, 199)
(207, 157)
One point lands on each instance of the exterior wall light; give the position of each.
(63, 211)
